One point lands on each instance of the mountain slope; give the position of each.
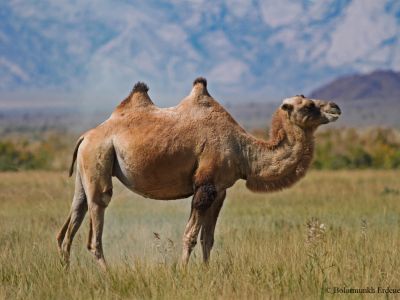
(382, 85)
(366, 99)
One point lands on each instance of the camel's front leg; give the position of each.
(203, 198)
(208, 227)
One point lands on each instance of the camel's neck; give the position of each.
(281, 161)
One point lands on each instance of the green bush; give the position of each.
(30, 154)
(15, 156)
(377, 148)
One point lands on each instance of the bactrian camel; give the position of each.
(195, 148)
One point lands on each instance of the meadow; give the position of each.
(332, 229)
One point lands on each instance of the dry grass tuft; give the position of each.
(315, 231)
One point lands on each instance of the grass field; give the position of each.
(264, 247)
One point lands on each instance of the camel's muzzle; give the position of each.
(332, 112)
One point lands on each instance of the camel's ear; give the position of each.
(287, 107)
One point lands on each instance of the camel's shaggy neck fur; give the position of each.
(282, 160)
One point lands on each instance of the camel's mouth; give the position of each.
(332, 117)
(332, 113)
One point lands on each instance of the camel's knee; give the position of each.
(103, 198)
(204, 196)
(106, 196)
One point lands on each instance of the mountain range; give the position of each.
(378, 85)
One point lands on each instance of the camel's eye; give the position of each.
(309, 107)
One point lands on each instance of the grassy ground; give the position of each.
(264, 247)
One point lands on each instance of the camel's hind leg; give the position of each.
(97, 217)
(78, 210)
(208, 226)
(62, 232)
(96, 161)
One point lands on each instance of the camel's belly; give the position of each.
(160, 188)
(166, 178)
(172, 192)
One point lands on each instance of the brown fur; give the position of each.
(193, 148)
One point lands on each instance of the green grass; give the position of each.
(261, 248)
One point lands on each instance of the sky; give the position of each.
(90, 53)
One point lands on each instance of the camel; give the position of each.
(193, 149)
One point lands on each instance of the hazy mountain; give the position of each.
(366, 99)
(378, 85)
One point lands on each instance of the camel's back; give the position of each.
(196, 119)
(188, 124)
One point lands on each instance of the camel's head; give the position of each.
(310, 113)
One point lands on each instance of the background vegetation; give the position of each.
(35, 151)
(377, 148)
(333, 229)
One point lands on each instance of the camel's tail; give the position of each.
(71, 168)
